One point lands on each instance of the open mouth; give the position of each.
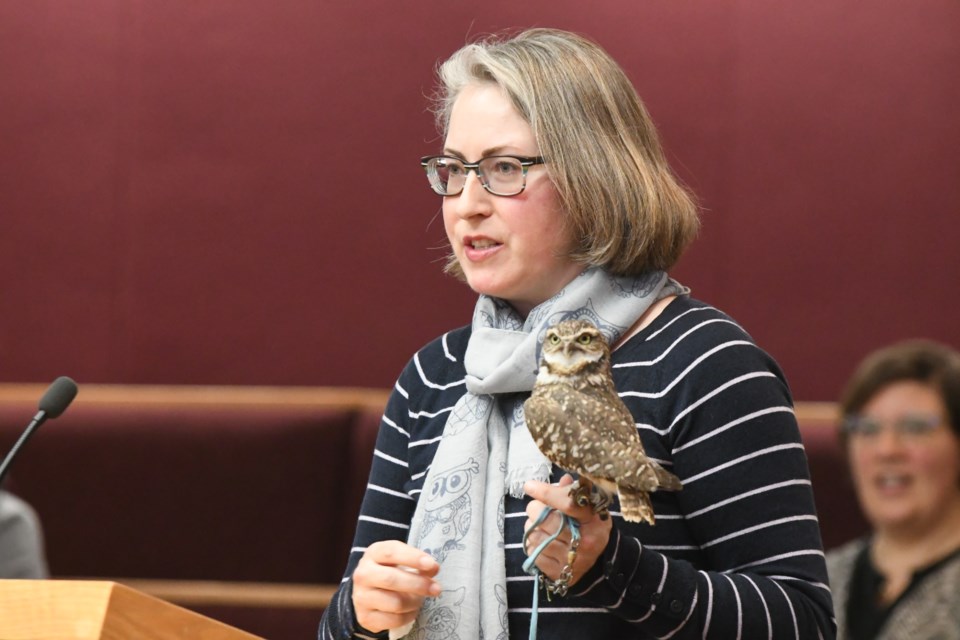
(892, 481)
(482, 243)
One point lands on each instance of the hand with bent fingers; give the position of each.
(594, 532)
(390, 583)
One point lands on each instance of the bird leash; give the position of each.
(562, 584)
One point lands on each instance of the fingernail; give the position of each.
(435, 589)
(427, 562)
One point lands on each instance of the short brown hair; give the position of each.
(625, 209)
(924, 361)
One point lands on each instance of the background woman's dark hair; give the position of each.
(922, 361)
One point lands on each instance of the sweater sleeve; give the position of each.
(409, 432)
(385, 512)
(743, 558)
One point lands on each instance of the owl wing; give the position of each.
(580, 432)
(645, 474)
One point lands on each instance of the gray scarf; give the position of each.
(486, 450)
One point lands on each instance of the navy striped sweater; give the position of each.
(735, 554)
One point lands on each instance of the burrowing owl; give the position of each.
(581, 424)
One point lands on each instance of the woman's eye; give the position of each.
(916, 425)
(505, 168)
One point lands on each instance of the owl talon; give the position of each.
(581, 493)
(600, 502)
(586, 493)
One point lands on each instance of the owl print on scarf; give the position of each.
(447, 505)
(440, 617)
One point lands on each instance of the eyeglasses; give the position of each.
(499, 175)
(909, 427)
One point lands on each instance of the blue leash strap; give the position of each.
(560, 586)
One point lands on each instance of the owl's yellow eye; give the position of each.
(585, 339)
(554, 339)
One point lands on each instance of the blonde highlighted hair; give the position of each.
(625, 209)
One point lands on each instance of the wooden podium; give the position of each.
(94, 610)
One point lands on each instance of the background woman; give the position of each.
(902, 435)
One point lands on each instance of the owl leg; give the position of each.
(600, 502)
(580, 491)
(584, 492)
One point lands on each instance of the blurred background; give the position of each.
(198, 192)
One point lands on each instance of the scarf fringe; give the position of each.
(515, 482)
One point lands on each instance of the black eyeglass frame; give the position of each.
(525, 163)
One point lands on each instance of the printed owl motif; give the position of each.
(440, 617)
(447, 507)
(580, 424)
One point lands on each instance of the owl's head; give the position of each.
(573, 345)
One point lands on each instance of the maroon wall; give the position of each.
(229, 193)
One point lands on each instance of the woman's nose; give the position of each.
(474, 199)
(888, 441)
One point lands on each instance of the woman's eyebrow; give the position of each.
(492, 151)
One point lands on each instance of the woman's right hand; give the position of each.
(390, 583)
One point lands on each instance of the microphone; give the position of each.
(54, 402)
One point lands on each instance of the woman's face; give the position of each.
(906, 481)
(514, 248)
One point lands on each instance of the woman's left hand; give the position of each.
(594, 532)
